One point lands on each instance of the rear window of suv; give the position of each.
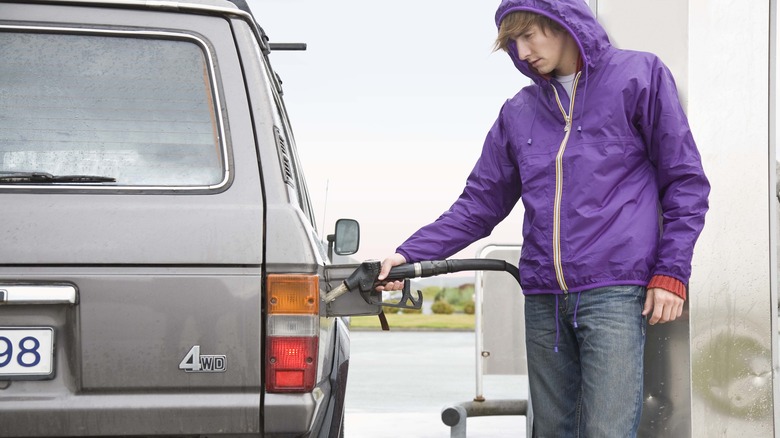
(138, 108)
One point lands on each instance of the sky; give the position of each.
(390, 106)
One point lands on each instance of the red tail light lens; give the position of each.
(292, 364)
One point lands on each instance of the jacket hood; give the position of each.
(573, 15)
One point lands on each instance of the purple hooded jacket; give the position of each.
(597, 176)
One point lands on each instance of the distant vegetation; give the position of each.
(451, 299)
(452, 308)
(402, 321)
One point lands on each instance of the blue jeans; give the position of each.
(591, 387)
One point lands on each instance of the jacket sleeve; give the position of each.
(492, 189)
(682, 186)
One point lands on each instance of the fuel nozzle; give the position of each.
(365, 276)
(364, 280)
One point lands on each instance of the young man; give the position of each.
(600, 153)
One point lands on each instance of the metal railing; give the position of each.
(456, 415)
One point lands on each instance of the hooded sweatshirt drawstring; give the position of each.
(584, 99)
(557, 318)
(533, 119)
(576, 307)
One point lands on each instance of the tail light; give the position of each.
(292, 330)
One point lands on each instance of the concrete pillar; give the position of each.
(715, 372)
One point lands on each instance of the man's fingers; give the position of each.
(388, 263)
(662, 310)
(648, 303)
(676, 311)
(666, 316)
(658, 312)
(386, 266)
(666, 306)
(390, 285)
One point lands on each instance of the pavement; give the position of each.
(399, 382)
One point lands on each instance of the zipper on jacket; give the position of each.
(557, 262)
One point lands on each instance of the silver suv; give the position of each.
(160, 270)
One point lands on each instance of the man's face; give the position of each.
(543, 51)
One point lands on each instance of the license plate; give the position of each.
(26, 353)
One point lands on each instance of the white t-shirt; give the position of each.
(567, 82)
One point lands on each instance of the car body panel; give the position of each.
(162, 272)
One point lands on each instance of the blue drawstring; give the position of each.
(557, 328)
(577, 306)
(557, 321)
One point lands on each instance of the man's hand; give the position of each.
(388, 263)
(665, 306)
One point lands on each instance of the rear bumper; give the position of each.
(293, 415)
(122, 414)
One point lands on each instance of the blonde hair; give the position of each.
(516, 23)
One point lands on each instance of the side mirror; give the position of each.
(346, 240)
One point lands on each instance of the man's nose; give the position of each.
(522, 50)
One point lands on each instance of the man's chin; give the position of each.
(541, 72)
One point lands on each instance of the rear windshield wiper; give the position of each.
(47, 178)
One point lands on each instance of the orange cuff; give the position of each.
(671, 284)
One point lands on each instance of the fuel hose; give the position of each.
(438, 267)
(364, 277)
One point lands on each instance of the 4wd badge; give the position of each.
(194, 362)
